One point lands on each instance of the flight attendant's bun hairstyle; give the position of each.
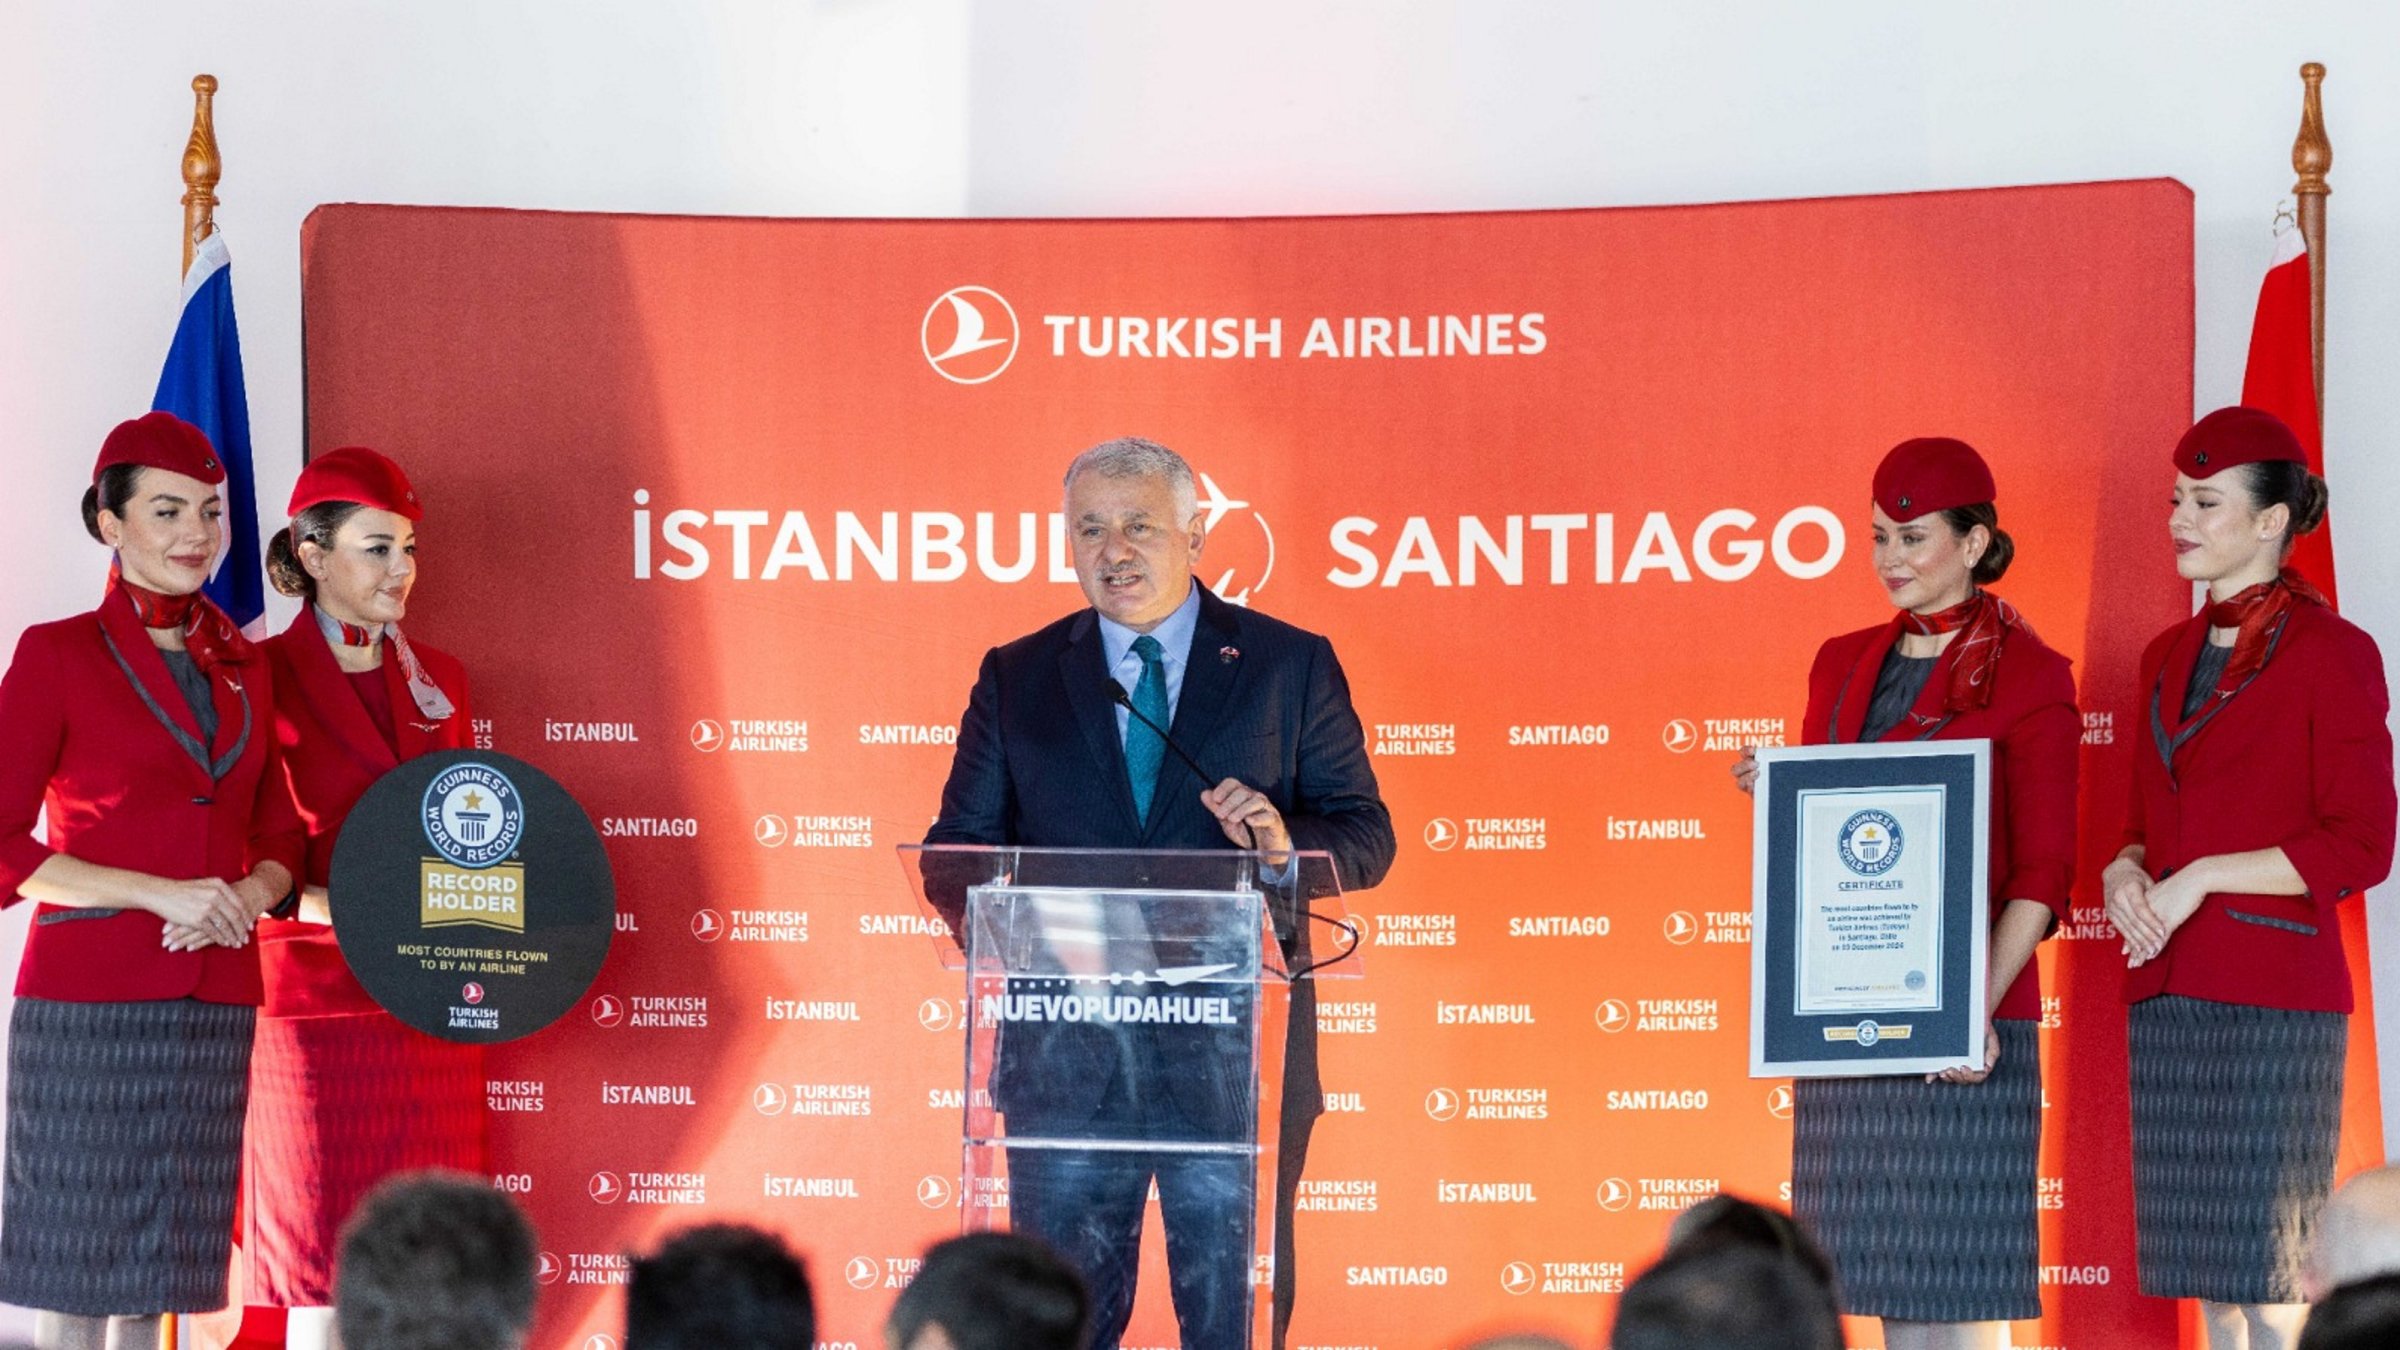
(316, 524)
(1993, 565)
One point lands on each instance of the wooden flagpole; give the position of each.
(202, 167)
(2312, 157)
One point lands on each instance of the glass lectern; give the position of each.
(1125, 1053)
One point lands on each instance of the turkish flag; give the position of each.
(2281, 379)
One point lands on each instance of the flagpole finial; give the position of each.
(2312, 159)
(201, 169)
(2312, 151)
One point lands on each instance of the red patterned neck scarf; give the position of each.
(208, 634)
(427, 695)
(1981, 621)
(2257, 615)
(349, 634)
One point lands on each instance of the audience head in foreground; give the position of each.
(2361, 1316)
(1736, 1276)
(720, 1286)
(434, 1261)
(2358, 1235)
(1729, 1220)
(989, 1291)
(1725, 1298)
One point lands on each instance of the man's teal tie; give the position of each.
(1145, 750)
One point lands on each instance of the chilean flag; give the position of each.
(202, 384)
(2281, 379)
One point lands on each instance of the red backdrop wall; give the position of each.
(721, 523)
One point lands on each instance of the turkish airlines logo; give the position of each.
(1518, 1278)
(934, 1192)
(1612, 1014)
(1682, 928)
(1779, 1103)
(605, 1188)
(1615, 1196)
(546, 1269)
(599, 1340)
(608, 1010)
(707, 925)
(1680, 736)
(861, 1273)
(937, 1014)
(1441, 1104)
(769, 1100)
(771, 831)
(707, 735)
(969, 335)
(1441, 834)
(1247, 548)
(472, 993)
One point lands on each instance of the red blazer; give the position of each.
(2035, 733)
(78, 743)
(332, 752)
(2301, 759)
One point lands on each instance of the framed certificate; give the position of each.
(1870, 923)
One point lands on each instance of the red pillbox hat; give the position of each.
(2235, 435)
(161, 440)
(1931, 473)
(355, 474)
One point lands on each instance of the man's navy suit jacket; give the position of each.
(1039, 764)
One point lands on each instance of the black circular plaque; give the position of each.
(472, 897)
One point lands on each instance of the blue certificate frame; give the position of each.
(1870, 909)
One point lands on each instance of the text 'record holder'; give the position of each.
(1180, 967)
(1871, 918)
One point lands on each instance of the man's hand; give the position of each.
(1247, 817)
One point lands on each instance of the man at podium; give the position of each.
(1061, 747)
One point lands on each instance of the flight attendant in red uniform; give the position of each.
(143, 733)
(1922, 1191)
(2262, 799)
(343, 1093)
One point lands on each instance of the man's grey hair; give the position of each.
(1135, 457)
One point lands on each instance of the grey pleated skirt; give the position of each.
(124, 1146)
(2237, 1113)
(1923, 1193)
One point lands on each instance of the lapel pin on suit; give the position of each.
(1228, 655)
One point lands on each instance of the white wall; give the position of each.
(1071, 107)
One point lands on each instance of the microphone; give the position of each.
(1118, 696)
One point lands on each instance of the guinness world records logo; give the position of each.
(473, 815)
(1869, 842)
